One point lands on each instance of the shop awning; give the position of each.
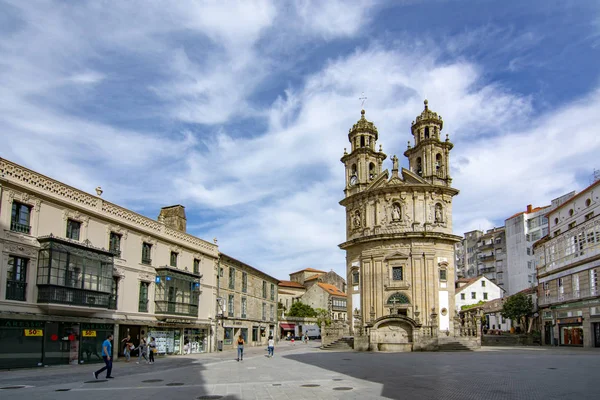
(287, 327)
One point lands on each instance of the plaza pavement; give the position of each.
(305, 372)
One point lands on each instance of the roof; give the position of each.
(472, 281)
(313, 277)
(291, 284)
(331, 289)
(284, 292)
(574, 197)
(308, 270)
(494, 305)
(460, 280)
(525, 212)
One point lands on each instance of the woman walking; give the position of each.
(271, 346)
(142, 350)
(127, 348)
(152, 349)
(240, 344)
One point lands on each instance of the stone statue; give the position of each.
(395, 212)
(438, 213)
(394, 162)
(357, 220)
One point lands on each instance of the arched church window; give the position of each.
(426, 132)
(362, 141)
(372, 171)
(398, 298)
(438, 162)
(419, 168)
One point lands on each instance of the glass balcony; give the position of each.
(72, 296)
(175, 308)
(177, 292)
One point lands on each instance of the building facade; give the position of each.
(568, 265)
(399, 242)
(476, 290)
(75, 267)
(247, 304)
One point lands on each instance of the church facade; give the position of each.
(399, 242)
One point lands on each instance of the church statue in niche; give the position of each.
(356, 220)
(438, 213)
(396, 212)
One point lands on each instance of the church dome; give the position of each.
(428, 117)
(363, 126)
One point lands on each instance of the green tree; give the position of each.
(517, 307)
(299, 309)
(323, 317)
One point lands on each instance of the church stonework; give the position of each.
(399, 242)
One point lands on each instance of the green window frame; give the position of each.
(73, 229)
(143, 301)
(20, 218)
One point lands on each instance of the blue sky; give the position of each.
(240, 110)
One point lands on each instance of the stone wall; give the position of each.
(333, 332)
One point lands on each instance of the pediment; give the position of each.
(380, 181)
(411, 177)
(397, 255)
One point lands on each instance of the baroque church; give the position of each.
(399, 242)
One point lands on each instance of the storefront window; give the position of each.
(167, 340)
(195, 341)
(228, 336)
(571, 335)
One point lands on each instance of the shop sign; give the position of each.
(99, 327)
(88, 333)
(11, 323)
(576, 320)
(34, 332)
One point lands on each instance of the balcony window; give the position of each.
(196, 266)
(112, 303)
(20, 218)
(114, 245)
(16, 279)
(173, 261)
(397, 274)
(244, 282)
(177, 292)
(230, 308)
(73, 229)
(272, 292)
(231, 278)
(143, 300)
(73, 274)
(264, 290)
(146, 253)
(244, 307)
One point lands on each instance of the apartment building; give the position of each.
(75, 267)
(491, 255)
(568, 265)
(248, 304)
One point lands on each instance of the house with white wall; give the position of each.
(474, 290)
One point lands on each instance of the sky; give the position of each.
(239, 110)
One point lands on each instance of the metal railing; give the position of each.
(16, 290)
(175, 308)
(72, 296)
(562, 297)
(21, 228)
(146, 261)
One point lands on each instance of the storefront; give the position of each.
(195, 340)
(168, 340)
(35, 343)
(570, 331)
(286, 329)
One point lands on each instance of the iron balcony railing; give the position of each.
(562, 297)
(146, 260)
(174, 308)
(16, 290)
(72, 296)
(116, 252)
(112, 302)
(21, 228)
(143, 305)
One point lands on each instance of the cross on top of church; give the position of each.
(362, 98)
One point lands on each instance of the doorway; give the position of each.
(596, 328)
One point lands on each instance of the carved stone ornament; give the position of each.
(146, 277)
(117, 229)
(118, 272)
(21, 250)
(77, 216)
(149, 239)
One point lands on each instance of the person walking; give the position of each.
(142, 350)
(240, 344)
(271, 346)
(106, 356)
(151, 349)
(127, 348)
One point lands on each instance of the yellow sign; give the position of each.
(34, 332)
(89, 334)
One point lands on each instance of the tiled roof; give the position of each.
(288, 293)
(308, 270)
(291, 284)
(472, 281)
(331, 289)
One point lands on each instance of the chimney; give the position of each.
(173, 217)
(529, 208)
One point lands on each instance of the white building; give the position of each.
(522, 231)
(475, 290)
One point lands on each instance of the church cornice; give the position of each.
(364, 150)
(408, 187)
(425, 142)
(401, 235)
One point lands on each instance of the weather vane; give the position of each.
(362, 98)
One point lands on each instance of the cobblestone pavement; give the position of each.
(304, 371)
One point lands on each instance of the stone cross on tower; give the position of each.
(362, 98)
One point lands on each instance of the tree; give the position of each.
(517, 307)
(323, 317)
(299, 309)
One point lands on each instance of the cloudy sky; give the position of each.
(240, 110)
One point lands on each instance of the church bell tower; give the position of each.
(364, 162)
(429, 158)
